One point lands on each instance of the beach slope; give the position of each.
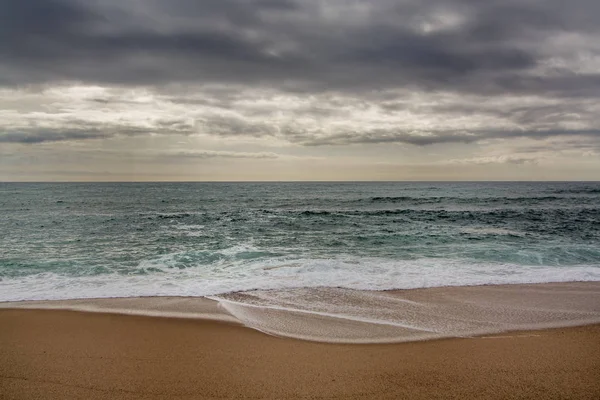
(59, 354)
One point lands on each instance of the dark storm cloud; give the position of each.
(46, 41)
(291, 44)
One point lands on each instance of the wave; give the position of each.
(173, 215)
(585, 190)
(466, 200)
(361, 273)
(529, 213)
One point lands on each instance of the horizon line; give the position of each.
(322, 181)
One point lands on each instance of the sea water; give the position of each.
(93, 240)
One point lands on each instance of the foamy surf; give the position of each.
(337, 315)
(344, 271)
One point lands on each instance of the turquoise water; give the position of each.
(77, 240)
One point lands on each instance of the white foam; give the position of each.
(163, 278)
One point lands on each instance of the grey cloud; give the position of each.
(70, 40)
(437, 56)
(364, 51)
(236, 126)
(218, 154)
(240, 126)
(182, 155)
(536, 116)
(85, 130)
(430, 138)
(49, 135)
(293, 45)
(586, 146)
(20, 20)
(504, 159)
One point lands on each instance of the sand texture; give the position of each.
(58, 354)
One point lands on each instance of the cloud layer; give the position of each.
(303, 73)
(535, 46)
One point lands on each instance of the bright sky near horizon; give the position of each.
(184, 90)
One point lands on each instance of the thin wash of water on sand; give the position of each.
(350, 316)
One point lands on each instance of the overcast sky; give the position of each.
(299, 90)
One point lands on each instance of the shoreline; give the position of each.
(234, 323)
(330, 314)
(55, 354)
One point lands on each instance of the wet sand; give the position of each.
(336, 315)
(58, 354)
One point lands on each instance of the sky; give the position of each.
(236, 90)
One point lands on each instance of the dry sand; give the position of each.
(57, 354)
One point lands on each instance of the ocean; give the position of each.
(90, 240)
(315, 261)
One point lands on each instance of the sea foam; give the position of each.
(159, 278)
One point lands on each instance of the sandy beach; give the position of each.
(58, 354)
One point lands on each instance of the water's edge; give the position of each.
(337, 315)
